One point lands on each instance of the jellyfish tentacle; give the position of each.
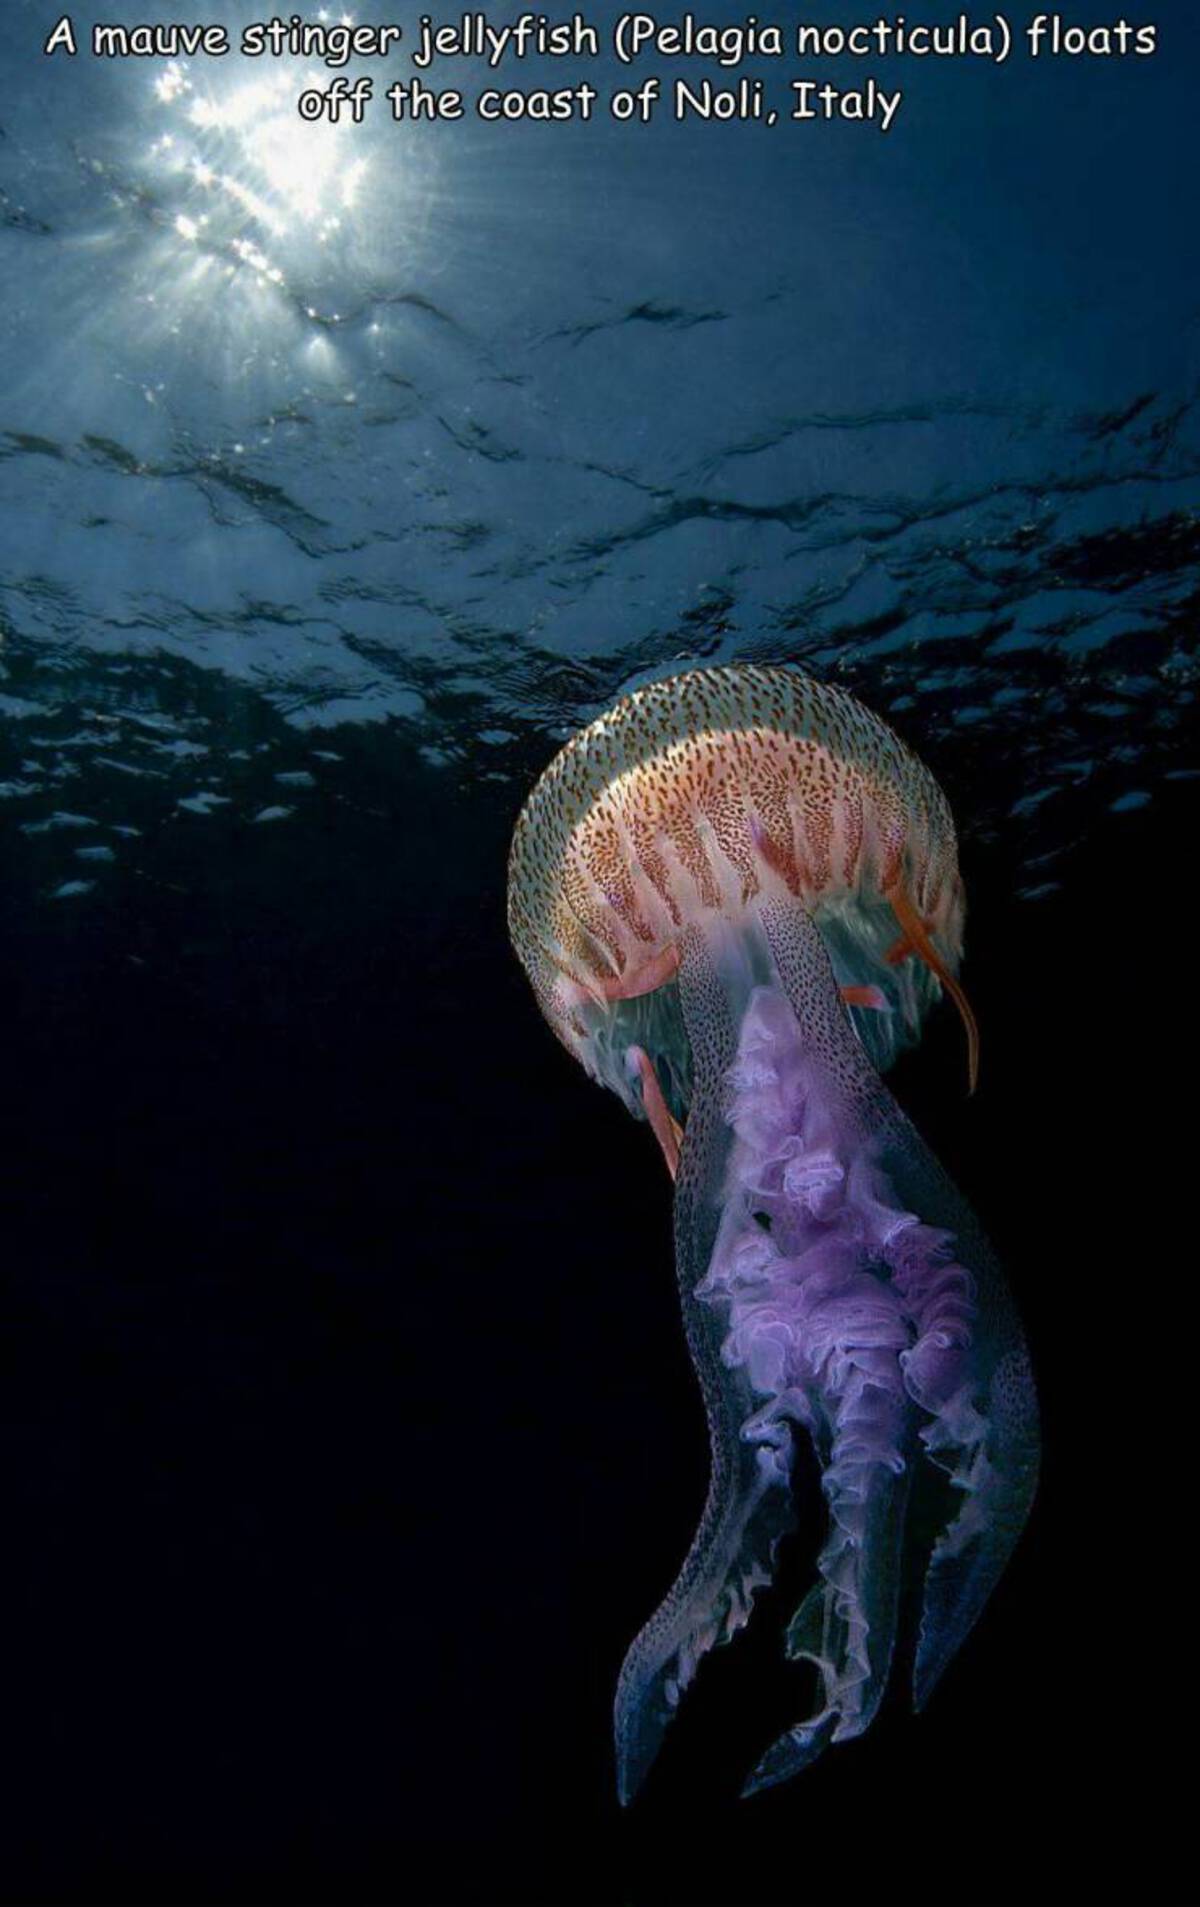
(871, 997)
(787, 1300)
(994, 1461)
(665, 1127)
(815, 1320)
(650, 974)
(748, 1506)
(816, 1299)
(916, 937)
(969, 1374)
(966, 1368)
(846, 1625)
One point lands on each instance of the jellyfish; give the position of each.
(736, 895)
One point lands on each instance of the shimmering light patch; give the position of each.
(239, 143)
(237, 235)
(170, 81)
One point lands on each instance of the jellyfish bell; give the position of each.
(698, 797)
(736, 896)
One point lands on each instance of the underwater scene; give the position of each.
(496, 610)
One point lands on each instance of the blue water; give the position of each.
(544, 409)
(331, 501)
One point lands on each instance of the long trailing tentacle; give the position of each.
(968, 1367)
(815, 1320)
(834, 1282)
(748, 1507)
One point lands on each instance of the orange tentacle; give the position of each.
(666, 1129)
(873, 997)
(916, 934)
(654, 972)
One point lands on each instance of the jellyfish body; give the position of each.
(735, 896)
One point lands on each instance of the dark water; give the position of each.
(350, 1427)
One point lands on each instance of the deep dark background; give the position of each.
(353, 1434)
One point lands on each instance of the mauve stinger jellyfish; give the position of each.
(736, 895)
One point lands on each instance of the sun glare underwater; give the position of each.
(269, 230)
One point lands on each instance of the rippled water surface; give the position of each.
(341, 478)
(460, 431)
